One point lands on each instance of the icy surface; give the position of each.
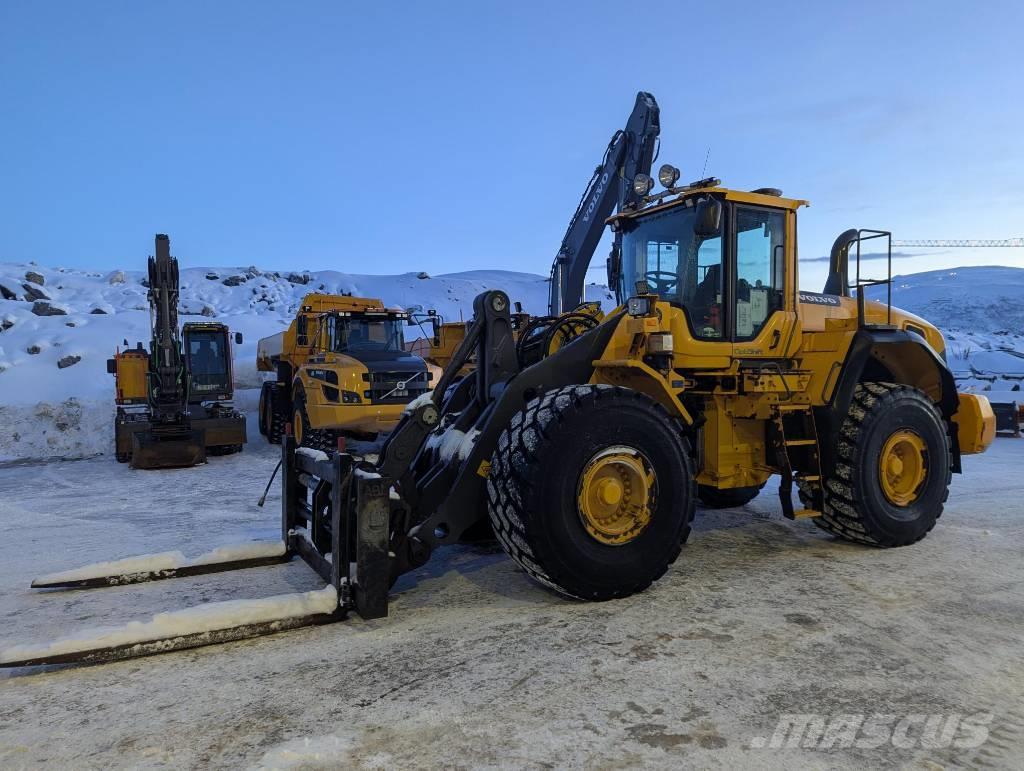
(202, 618)
(685, 674)
(168, 560)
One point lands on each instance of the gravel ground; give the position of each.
(759, 619)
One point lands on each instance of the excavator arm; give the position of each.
(630, 152)
(168, 376)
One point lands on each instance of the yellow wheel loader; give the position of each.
(715, 373)
(174, 402)
(341, 370)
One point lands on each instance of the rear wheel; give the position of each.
(715, 498)
(591, 490)
(893, 468)
(305, 434)
(274, 416)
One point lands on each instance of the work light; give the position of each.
(642, 184)
(668, 175)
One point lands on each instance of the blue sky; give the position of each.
(453, 136)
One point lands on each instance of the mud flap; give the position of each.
(156, 449)
(372, 574)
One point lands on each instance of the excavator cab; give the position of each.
(208, 355)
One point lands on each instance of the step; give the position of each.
(800, 442)
(793, 407)
(806, 514)
(810, 478)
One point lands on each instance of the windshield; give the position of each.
(663, 252)
(353, 334)
(207, 360)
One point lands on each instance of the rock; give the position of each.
(33, 350)
(7, 294)
(252, 271)
(234, 280)
(98, 311)
(43, 308)
(422, 274)
(117, 277)
(296, 278)
(212, 276)
(31, 293)
(70, 324)
(208, 311)
(5, 325)
(67, 361)
(35, 278)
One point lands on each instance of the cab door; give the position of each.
(762, 314)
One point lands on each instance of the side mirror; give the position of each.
(709, 218)
(111, 367)
(238, 338)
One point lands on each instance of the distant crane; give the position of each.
(962, 242)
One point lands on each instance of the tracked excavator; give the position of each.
(715, 369)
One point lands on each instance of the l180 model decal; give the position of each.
(819, 299)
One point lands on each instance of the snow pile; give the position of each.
(198, 620)
(168, 560)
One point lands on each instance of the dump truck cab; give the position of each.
(341, 369)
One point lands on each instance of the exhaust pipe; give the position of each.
(839, 264)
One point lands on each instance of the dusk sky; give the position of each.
(391, 137)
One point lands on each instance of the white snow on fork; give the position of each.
(202, 618)
(168, 560)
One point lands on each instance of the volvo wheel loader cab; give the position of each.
(341, 370)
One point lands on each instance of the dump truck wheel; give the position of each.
(275, 418)
(715, 498)
(305, 434)
(893, 468)
(591, 490)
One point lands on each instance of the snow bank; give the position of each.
(202, 618)
(168, 560)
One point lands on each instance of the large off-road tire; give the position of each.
(265, 399)
(715, 498)
(302, 429)
(557, 452)
(273, 416)
(893, 468)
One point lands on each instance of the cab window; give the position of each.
(760, 273)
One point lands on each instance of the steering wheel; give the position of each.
(663, 280)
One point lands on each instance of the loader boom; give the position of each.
(630, 152)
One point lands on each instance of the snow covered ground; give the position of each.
(56, 396)
(477, 666)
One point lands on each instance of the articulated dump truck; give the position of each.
(714, 373)
(341, 370)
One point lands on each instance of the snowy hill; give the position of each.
(56, 398)
(58, 326)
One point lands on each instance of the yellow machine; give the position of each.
(342, 369)
(713, 374)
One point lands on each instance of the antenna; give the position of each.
(706, 156)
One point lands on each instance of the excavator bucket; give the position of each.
(154, 449)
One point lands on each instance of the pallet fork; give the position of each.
(349, 552)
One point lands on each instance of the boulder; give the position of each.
(33, 350)
(234, 280)
(67, 361)
(70, 324)
(97, 311)
(296, 278)
(43, 308)
(117, 277)
(211, 276)
(208, 311)
(31, 293)
(7, 294)
(35, 278)
(422, 274)
(5, 325)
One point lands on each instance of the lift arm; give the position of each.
(168, 377)
(630, 152)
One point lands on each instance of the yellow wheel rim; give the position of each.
(297, 427)
(903, 467)
(616, 495)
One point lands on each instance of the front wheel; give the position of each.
(591, 490)
(893, 468)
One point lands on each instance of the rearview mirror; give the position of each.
(709, 218)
